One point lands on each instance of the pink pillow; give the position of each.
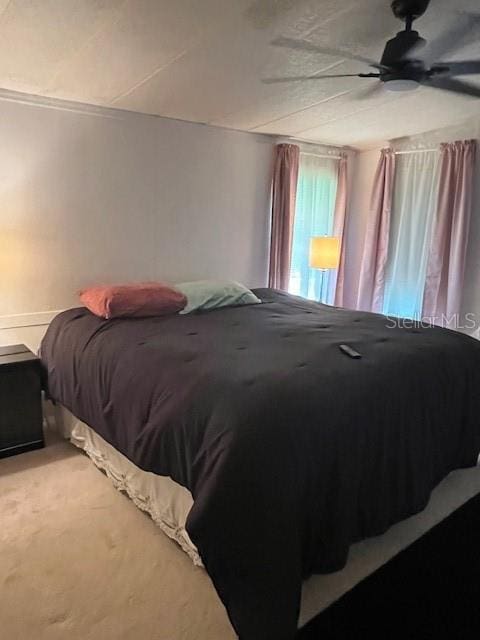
(133, 300)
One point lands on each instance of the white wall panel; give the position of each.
(111, 196)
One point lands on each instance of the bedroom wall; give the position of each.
(93, 195)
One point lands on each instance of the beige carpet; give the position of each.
(78, 560)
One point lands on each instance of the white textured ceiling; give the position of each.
(203, 60)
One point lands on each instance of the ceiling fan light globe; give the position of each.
(401, 84)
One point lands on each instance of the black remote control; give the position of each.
(351, 353)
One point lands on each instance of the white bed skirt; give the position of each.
(168, 504)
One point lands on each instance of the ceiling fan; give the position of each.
(399, 69)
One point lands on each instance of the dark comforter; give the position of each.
(291, 449)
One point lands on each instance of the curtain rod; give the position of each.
(397, 153)
(405, 153)
(320, 155)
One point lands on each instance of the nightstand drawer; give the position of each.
(20, 407)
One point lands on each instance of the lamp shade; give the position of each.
(324, 252)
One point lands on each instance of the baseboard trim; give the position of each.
(21, 320)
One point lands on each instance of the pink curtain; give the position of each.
(339, 227)
(284, 192)
(446, 262)
(372, 272)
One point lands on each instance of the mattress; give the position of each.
(168, 504)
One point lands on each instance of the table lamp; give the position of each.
(324, 255)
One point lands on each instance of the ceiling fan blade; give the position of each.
(464, 26)
(455, 86)
(304, 45)
(460, 68)
(297, 78)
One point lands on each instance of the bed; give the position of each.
(291, 450)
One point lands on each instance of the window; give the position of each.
(413, 213)
(314, 216)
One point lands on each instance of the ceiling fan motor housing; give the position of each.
(396, 50)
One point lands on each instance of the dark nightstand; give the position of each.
(20, 401)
